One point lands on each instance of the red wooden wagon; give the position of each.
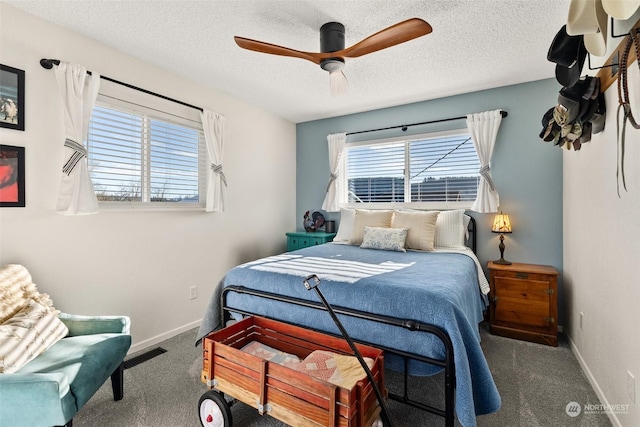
(279, 387)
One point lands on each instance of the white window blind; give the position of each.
(139, 156)
(431, 169)
(376, 173)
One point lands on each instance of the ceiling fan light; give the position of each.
(338, 83)
(332, 64)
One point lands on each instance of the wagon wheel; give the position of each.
(378, 423)
(214, 410)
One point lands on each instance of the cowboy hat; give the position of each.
(588, 18)
(569, 53)
(621, 9)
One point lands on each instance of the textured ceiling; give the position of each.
(475, 44)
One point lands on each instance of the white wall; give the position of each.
(138, 263)
(602, 260)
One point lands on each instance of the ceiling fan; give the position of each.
(332, 51)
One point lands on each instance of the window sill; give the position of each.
(149, 207)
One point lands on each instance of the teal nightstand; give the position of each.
(302, 239)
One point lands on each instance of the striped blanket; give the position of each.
(329, 269)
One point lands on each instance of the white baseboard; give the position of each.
(164, 336)
(596, 387)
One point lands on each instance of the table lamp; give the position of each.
(501, 225)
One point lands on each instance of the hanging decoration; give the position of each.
(624, 107)
(579, 113)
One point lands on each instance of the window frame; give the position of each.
(166, 112)
(343, 184)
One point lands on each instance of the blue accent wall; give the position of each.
(526, 170)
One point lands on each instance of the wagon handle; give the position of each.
(314, 285)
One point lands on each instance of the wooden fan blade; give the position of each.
(273, 49)
(396, 34)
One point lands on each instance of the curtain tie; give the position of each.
(332, 178)
(79, 151)
(485, 172)
(218, 169)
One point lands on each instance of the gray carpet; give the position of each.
(536, 383)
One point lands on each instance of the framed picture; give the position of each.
(11, 97)
(11, 176)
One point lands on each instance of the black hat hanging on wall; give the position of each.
(568, 53)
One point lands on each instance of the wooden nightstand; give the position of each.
(524, 302)
(302, 239)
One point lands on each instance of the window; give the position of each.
(430, 170)
(146, 157)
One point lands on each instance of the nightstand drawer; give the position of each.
(301, 240)
(294, 243)
(317, 241)
(522, 275)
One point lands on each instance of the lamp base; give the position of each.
(502, 261)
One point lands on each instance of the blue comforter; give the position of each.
(437, 288)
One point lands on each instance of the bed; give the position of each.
(422, 307)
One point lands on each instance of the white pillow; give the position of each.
(450, 230)
(389, 239)
(345, 229)
(421, 225)
(366, 218)
(466, 219)
(28, 333)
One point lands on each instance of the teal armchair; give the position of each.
(53, 387)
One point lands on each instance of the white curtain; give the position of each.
(337, 142)
(213, 125)
(79, 92)
(483, 128)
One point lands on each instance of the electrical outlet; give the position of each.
(581, 317)
(631, 387)
(193, 292)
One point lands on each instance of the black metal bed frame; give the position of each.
(448, 364)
